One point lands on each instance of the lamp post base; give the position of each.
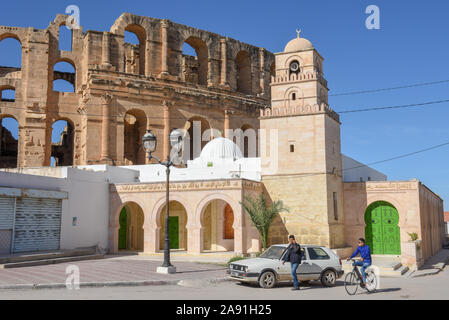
(166, 270)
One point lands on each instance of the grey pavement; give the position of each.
(432, 287)
(112, 271)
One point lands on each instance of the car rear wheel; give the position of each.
(267, 280)
(328, 278)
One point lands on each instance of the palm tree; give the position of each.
(262, 214)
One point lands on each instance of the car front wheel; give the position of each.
(267, 280)
(328, 278)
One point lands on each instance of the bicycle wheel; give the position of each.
(371, 281)
(351, 283)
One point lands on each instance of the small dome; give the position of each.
(220, 149)
(298, 44)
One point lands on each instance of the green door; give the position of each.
(381, 230)
(173, 232)
(123, 221)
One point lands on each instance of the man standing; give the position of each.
(293, 256)
(365, 258)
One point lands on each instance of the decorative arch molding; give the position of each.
(293, 58)
(154, 219)
(373, 198)
(202, 205)
(299, 97)
(114, 221)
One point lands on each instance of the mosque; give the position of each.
(332, 199)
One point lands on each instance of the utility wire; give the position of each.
(400, 156)
(388, 89)
(394, 107)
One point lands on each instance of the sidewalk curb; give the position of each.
(433, 271)
(105, 284)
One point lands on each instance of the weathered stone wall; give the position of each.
(149, 80)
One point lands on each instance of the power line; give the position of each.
(388, 89)
(394, 107)
(400, 156)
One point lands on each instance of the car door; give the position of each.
(318, 259)
(284, 270)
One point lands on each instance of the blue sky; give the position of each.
(411, 47)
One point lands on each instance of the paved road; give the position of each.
(429, 287)
(115, 269)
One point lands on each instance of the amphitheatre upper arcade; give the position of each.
(122, 89)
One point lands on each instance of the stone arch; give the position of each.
(65, 74)
(179, 208)
(135, 126)
(193, 142)
(291, 59)
(7, 98)
(243, 67)
(206, 221)
(135, 55)
(63, 150)
(195, 69)
(297, 101)
(20, 50)
(372, 198)
(133, 227)
(62, 37)
(246, 139)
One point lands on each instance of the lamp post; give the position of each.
(149, 145)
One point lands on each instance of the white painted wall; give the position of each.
(359, 171)
(88, 198)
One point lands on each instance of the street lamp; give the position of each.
(149, 142)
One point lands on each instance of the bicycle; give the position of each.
(354, 279)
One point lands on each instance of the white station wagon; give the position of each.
(318, 263)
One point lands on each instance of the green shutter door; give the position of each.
(381, 230)
(122, 231)
(390, 230)
(173, 232)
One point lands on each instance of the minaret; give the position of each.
(301, 153)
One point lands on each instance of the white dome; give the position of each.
(220, 149)
(298, 44)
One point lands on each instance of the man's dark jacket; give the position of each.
(293, 254)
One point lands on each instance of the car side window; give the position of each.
(318, 254)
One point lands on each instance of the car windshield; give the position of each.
(273, 252)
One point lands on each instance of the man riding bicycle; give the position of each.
(365, 260)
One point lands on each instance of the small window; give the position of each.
(335, 206)
(369, 178)
(317, 254)
(293, 96)
(292, 148)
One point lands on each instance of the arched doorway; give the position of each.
(217, 226)
(381, 230)
(130, 233)
(177, 232)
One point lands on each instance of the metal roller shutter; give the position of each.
(37, 224)
(6, 213)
